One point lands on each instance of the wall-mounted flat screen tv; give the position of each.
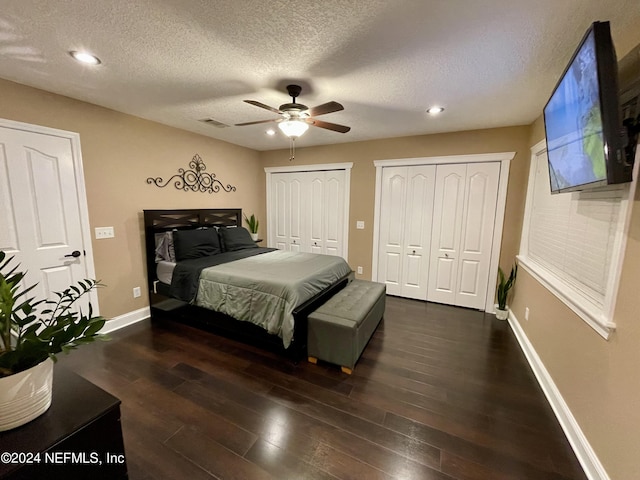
(583, 121)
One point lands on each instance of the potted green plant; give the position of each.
(32, 333)
(504, 285)
(252, 224)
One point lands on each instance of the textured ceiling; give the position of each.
(490, 63)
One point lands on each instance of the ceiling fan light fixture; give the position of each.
(435, 110)
(293, 128)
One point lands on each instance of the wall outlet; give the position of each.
(359, 270)
(104, 232)
(360, 225)
(526, 313)
(136, 292)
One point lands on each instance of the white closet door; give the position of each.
(334, 205)
(464, 216)
(447, 224)
(406, 217)
(393, 199)
(307, 211)
(418, 217)
(280, 206)
(296, 213)
(478, 219)
(315, 196)
(287, 199)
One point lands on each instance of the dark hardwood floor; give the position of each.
(439, 393)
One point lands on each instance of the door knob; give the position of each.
(414, 252)
(75, 253)
(446, 255)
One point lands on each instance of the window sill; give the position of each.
(591, 313)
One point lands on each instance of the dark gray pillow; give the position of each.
(237, 238)
(196, 243)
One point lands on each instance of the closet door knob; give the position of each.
(414, 252)
(446, 255)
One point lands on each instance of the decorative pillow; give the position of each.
(164, 247)
(196, 243)
(237, 238)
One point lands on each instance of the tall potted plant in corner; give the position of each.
(32, 332)
(252, 224)
(504, 285)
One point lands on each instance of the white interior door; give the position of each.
(307, 211)
(418, 218)
(334, 202)
(405, 233)
(40, 211)
(463, 226)
(392, 208)
(315, 197)
(481, 195)
(447, 215)
(287, 211)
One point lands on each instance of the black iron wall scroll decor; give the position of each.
(195, 179)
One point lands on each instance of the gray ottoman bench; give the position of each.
(339, 330)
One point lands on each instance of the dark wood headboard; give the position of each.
(158, 221)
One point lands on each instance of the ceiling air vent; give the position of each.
(214, 123)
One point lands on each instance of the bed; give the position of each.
(259, 295)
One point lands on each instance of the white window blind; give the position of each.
(572, 243)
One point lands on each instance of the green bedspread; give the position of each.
(265, 289)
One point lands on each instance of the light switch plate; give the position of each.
(360, 225)
(104, 232)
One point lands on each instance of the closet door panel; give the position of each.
(334, 211)
(417, 231)
(280, 193)
(393, 197)
(447, 214)
(296, 204)
(477, 233)
(315, 200)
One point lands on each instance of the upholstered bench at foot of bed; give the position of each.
(339, 330)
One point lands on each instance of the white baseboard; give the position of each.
(121, 321)
(591, 465)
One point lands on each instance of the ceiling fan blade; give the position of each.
(325, 108)
(329, 126)
(262, 105)
(259, 121)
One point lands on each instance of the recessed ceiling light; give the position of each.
(85, 57)
(270, 132)
(435, 110)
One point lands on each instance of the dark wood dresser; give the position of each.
(79, 437)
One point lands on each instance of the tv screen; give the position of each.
(582, 119)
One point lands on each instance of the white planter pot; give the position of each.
(254, 237)
(502, 314)
(25, 395)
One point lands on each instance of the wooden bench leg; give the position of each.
(313, 360)
(346, 370)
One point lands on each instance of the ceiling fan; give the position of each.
(296, 117)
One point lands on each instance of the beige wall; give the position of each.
(362, 154)
(599, 379)
(119, 152)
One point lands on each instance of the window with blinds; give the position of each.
(572, 243)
